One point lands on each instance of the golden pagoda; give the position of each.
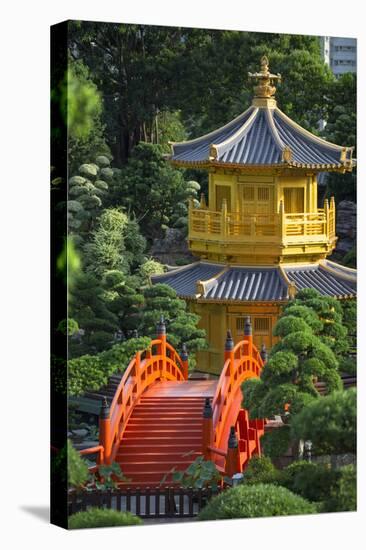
(261, 236)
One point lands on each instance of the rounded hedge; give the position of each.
(102, 161)
(255, 501)
(261, 470)
(89, 170)
(98, 517)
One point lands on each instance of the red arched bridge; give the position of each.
(160, 420)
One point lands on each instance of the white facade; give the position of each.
(340, 54)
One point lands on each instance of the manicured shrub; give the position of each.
(251, 501)
(343, 494)
(309, 480)
(261, 470)
(98, 517)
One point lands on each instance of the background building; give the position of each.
(340, 54)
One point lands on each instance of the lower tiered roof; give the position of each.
(213, 282)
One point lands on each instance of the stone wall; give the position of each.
(172, 248)
(346, 226)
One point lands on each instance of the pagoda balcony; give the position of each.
(238, 235)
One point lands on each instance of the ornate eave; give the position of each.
(293, 166)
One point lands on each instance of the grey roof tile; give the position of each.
(264, 284)
(184, 280)
(249, 284)
(325, 282)
(259, 136)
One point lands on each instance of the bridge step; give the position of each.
(163, 432)
(135, 437)
(159, 446)
(169, 408)
(154, 466)
(158, 424)
(175, 456)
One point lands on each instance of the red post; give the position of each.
(105, 439)
(184, 357)
(232, 465)
(207, 432)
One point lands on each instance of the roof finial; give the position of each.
(265, 79)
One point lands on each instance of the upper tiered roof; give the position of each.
(263, 136)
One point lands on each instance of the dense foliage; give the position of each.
(91, 372)
(343, 494)
(152, 190)
(332, 489)
(99, 517)
(311, 481)
(253, 501)
(162, 300)
(342, 128)
(329, 422)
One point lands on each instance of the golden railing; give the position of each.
(210, 225)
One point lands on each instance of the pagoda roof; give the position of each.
(262, 136)
(219, 282)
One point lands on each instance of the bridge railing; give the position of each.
(159, 362)
(222, 423)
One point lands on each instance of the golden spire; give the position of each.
(265, 79)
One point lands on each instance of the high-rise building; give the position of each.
(340, 54)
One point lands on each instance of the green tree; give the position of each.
(106, 249)
(151, 189)
(123, 298)
(82, 105)
(88, 307)
(148, 268)
(181, 324)
(341, 128)
(115, 244)
(330, 423)
(227, 56)
(135, 66)
(169, 127)
(330, 327)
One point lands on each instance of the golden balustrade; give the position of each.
(227, 226)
